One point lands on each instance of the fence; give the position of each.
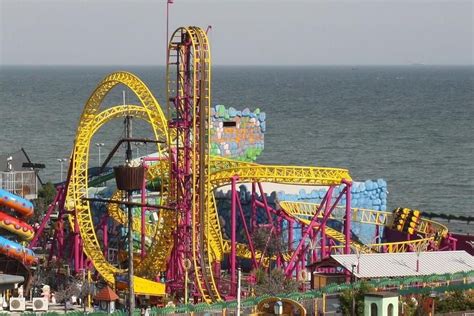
(404, 286)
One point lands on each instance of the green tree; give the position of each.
(45, 197)
(264, 239)
(274, 283)
(358, 294)
(455, 301)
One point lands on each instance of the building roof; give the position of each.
(11, 279)
(382, 294)
(106, 294)
(379, 265)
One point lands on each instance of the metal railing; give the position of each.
(21, 183)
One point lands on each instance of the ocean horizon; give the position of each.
(408, 124)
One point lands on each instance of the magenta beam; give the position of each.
(264, 198)
(76, 243)
(233, 239)
(247, 233)
(291, 265)
(272, 210)
(47, 216)
(105, 235)
(81, 255)
(347, 223)
(323, 228)
(278, 235)
(143, 210)
(290, 235)
(303, 238)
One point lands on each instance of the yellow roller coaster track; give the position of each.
(303, 212)
(221, 171)
(218, 173)
(91, 120)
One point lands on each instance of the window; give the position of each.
(390, 309)
(373, 309)
(229, 124)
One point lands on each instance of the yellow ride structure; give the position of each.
(206, 246)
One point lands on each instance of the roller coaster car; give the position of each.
(406, 220)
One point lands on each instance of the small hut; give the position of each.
(381, 304)
(106, 298)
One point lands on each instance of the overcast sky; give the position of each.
(259, 32)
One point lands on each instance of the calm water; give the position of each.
(412, 126)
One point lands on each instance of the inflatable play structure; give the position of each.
(16, 226)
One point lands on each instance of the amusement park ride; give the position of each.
(187, 240)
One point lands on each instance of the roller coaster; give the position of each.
(187, 239)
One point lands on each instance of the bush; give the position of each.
(358, 293)
(455, 301)
(274, 283)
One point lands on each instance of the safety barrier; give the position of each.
(409, 285)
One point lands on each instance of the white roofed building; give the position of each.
(388, 265)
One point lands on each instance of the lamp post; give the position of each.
(61, 162)
(353, 292)
(99, 145)
(239, 276)
(137, 147)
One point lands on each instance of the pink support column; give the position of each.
(76, 243)
(60, 235)
(143, 216)
(233, 238)
(290, 235)
(279, 236)
(323, 227)
(298, 269)
(105, 236)
(347, 222)
(302, 247)
(217, 271)
(51, 208)
(264, 199)
(247, 232)
(81, 255)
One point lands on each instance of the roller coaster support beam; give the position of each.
(143, 213)
(323, 227)
(235, 203)
(347, 222)
(301, 248)
(233, 241)
(39, 232)
(290, 235)
(278, 235)
(105, 237)
(76, 244)
(246, 229)
(264, 199)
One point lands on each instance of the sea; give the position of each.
(410, 125)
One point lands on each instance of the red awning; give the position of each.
(106, 294)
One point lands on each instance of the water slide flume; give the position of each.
(16, 226)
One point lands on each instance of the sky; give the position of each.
(258, 32)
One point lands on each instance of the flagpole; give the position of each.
(168, 2)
